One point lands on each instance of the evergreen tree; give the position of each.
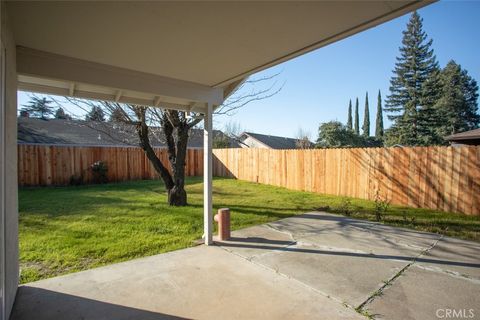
(357, 119)
(379, 120)
(60, 114)
(117, 115)
(334, 134)
(429, 119)
(95, 114)
(366, 119)
(38, 107)
(349, 119)
(458, 102)
(471, 117)
(414, 66)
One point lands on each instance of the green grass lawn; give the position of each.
(68, 229)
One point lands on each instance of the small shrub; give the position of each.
(381, 206)
(99, 171)
(346, 207)
(76, 179)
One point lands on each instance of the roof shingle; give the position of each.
(274, 142)
(88, 133)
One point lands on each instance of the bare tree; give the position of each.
(171, 127)
(149, 122)
(233, 129)
(229, 137)
(250, 90)
(303, 139)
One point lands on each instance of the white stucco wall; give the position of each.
(9, 158)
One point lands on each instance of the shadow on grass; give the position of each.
(79, 205)
(258, 210)
(68, 201)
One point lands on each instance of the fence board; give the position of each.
(44, 165)
(442, 178)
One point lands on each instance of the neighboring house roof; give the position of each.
(88, 133)
(467, 137)
(273, 142)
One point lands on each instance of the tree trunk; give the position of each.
(177, 152)
(177, 196)
(142, 130)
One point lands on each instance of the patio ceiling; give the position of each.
(178, 54)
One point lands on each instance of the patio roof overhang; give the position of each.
(181, 55)
(44, 72)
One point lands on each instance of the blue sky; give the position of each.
(318, 85)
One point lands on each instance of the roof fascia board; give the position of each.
(462, 138)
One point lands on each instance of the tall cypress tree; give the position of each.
(379, 120)
(366, 119)
(349, 118)
(357, 118)
(414, 66)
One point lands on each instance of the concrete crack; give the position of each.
(281, 231)
(451, 273)
(277, 272)
(361, 308)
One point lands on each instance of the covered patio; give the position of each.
(178, 55)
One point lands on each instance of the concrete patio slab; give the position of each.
(318, 223)
(196, 283)
(404, 237)
(424, 294)
(350, 260)
(455, 256)
(311, 266)
(337, 256)
(257, 240)
(362, 242)
(347, 277)
(314, 223)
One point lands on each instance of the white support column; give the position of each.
(207, 175)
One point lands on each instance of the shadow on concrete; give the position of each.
(349, 254)
(261, 240)
(41, 304)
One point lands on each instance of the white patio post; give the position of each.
(207, 175)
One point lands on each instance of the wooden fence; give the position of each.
(43, 165)
(443, 178)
